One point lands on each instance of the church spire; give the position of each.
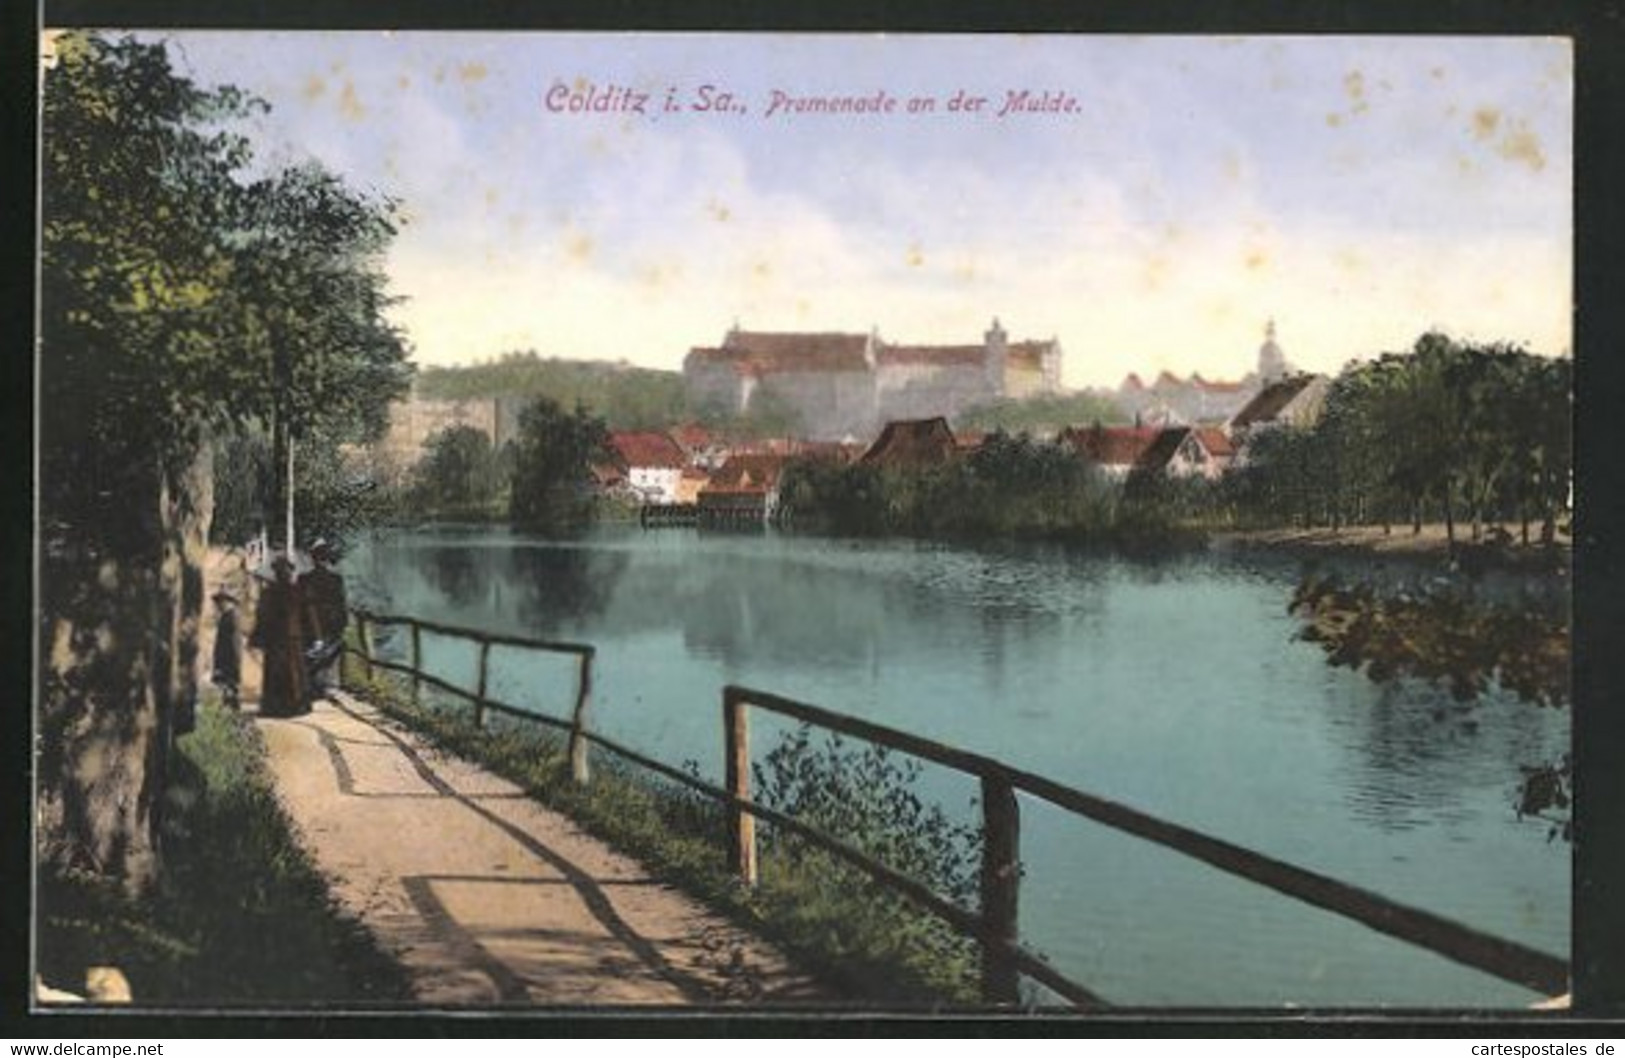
(1272, 366)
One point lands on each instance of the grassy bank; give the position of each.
(863, 942)
(1432, 544)
(241, 916)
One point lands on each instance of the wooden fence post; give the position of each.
(736, 764)
(417, 662)
(1001, 886)
(479, 700)
(580, 772)
(364, 633)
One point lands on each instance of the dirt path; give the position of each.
(488, 898)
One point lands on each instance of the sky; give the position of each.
(1359, 191)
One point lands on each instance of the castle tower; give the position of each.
(996, 342)
(1272, 365)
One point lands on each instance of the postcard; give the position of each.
(600, 521)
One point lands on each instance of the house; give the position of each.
(968, 441)
(652, 462)
(844, 385)
(747, 486)
(1220, 451)
(703, 448)
(1115, 450)
(1295, 401)
(913, 443)
(1174, 401)
(691, 484)
(1176, 452)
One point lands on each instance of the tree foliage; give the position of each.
(1467, 433)
(460, 473)
(552, 464)
(182, 303)
(629, 398)
(1042, 414)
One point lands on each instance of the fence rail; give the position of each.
(367, 620)
(994, 924)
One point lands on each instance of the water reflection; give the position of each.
(1177, 685)
(1410, 639)
(755, 601)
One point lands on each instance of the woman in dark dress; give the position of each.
(228, 649)
(279, 633)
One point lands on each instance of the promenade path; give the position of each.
(487, 897)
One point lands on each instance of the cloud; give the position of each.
(1200, 192)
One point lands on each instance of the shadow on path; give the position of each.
(461, 940)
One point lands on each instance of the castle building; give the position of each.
(1172, 401)
(844, 386)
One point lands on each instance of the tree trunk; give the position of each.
(103, 732)
(1449, 520)
(276, 494)
(188, 509)
(120, 604)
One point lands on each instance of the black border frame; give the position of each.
(1598, 30)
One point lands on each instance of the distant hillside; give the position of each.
(1042, 414)
(630, 398)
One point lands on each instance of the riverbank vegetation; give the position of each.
(240, 916)
(867, 942)
(1006, 487)
(1469, 435)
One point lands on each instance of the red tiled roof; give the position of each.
(1110, 445)
(1162, 449)
(691, 435)
(940, 355)
(647, 449)
(760, 352)
(1216, 441)
(913, 442)
(748, 472)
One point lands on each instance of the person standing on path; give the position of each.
(323, 589)
(228, 650)
(279, 633)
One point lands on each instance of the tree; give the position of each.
(552, 465)
(308, 251)
(168, 288)
(459, 472)
(1044, 413)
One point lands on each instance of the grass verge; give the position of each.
(241, 917)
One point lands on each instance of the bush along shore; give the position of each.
(240, 917)
(1008, 487)
(867, 944)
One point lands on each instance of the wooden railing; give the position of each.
(367, 620)
(994, 924)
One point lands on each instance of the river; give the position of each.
(1177, 686)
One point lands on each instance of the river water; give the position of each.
(1177, 686)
